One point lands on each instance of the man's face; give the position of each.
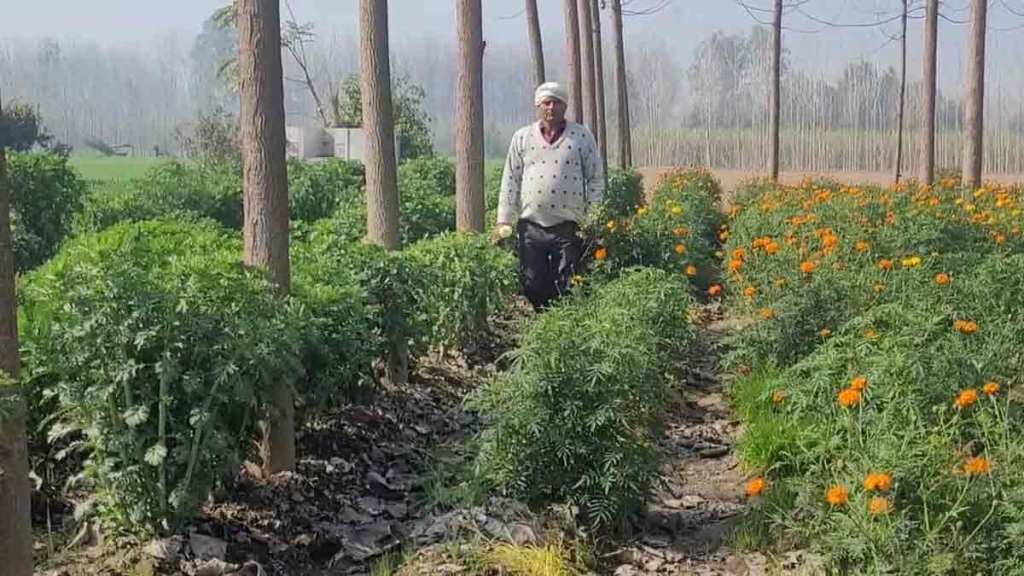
(551, 111)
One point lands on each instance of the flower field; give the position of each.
(878, 365)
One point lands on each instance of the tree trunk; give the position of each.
(469, 120)
(572, 53)
(903, 92)
(15, 516)
(775, 100)
(587, 61)
(625, 138)
(265, 181)
(602, 128)
(536, 44)
(974, 108)
(378, 125)
(930, 92)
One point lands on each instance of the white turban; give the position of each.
(550, 90)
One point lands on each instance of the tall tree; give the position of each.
(469, 119)
(602, 129)
(776, 94)
(931, 37)
(378, 125)
(536, 44)
(903, 92)
(265, 181)
(622, 95)
(587, 60)
(572, 53)
(974, 105)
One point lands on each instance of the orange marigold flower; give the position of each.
(977, 466)
(862, 246)
(849, 398)
(691, 270)
(771, 247)
(680, 248)
(739, 254)
(990, 388)
(756, 486)
(965, 326)
(879, 506)
(714, 290)
(807, 267)
(966, 398)
(601, 253)
(778, 396)
(735, 265)
(837, 495)
(885, 264)
(942, 279)
(681, 231)
(870, 334)
(859, 383)
(879, 288)
(767, 313)
(750, 291)
(878, 482)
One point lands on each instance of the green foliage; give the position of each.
(170, 189)
(412, 124)
(424, 176)
(45, 194)
(624, 195)
(575, 420)
(214, 137)
(319, 188)
(158, 346)
(21, 128)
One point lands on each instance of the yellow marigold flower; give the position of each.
(870, 334)
(723, 235)
(990, 388)
(577, 280)
(912, 262)
(848, 398)
(879, 288)
(965, 326)
(641, 211)
(942, 279)
(825, 333)
(778, 396)
(714, 290)
(756, 486)
(780, 282)
(879, 506)
(837, 495)
(885, 264)
(977, 466)
(966, 398)
(878, 482)
(767, 313)
(807, 267)
(859, 383)
(681, 231)
(676, 210)
(611, 225)
(680, 248)
(691, 270)
(862, 246)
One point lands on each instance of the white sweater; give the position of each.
(551, 183)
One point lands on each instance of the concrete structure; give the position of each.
(314, 142)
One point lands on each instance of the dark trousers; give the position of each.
(548, 257)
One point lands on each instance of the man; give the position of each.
(553, 176)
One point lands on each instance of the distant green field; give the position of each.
(112, 169)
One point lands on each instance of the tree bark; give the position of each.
(930, 91)
(974, 106)
(625, 138)
(572, 52)
(776, 95)
(536, 43)
(587, 61)
(903, 93)
(602, 128)
(15, 507)
(469, 120)
(265, 181)
(378, 125)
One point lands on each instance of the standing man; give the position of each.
(553, 176)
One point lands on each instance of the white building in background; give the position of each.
(314, 142)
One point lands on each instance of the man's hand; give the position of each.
(500, 232)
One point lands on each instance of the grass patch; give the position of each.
(112, 169)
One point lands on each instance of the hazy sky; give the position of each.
(679, 26)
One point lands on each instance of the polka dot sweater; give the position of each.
(550, 183)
